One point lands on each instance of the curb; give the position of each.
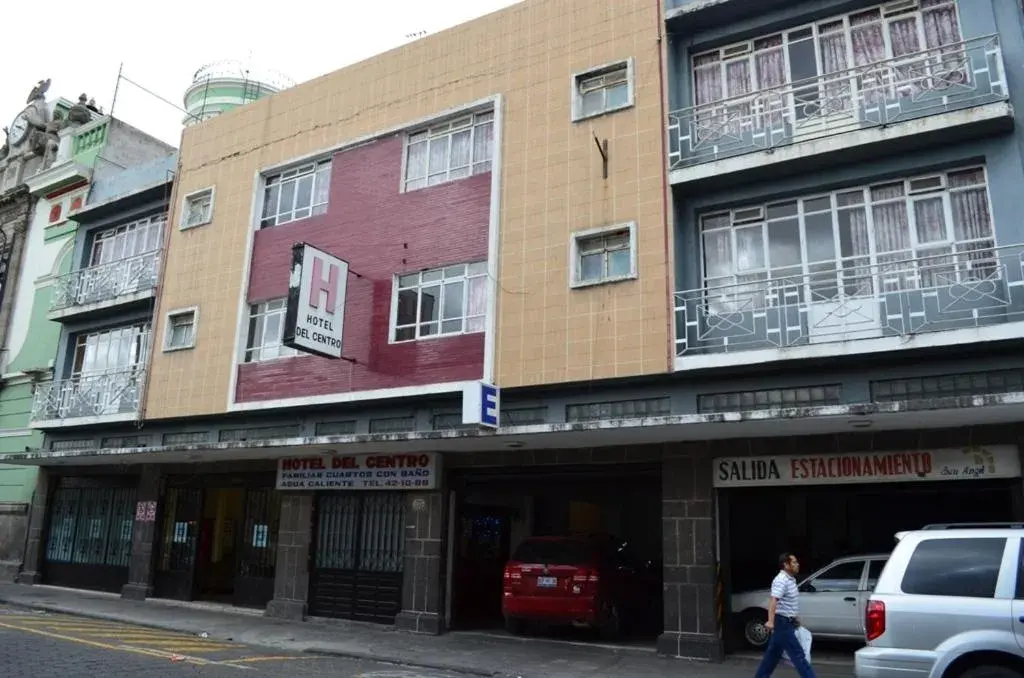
(318, 651)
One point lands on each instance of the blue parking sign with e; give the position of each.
(490, 405)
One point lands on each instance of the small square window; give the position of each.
(604, 255)
(180, 332)
(602, 90)
(197, 209)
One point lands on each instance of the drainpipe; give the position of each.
(153, 343)
(665, 189)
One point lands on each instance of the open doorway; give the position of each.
(216, 562)
(218, 543)
(495, 510)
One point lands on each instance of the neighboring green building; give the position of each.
(46, 170)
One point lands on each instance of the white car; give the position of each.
(832, 601)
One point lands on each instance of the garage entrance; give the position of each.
(358, 552)
(770, 505)
(494, 510)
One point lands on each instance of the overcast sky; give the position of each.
(80, 46)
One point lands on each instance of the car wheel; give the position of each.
(990, 672)
(755, 633)
(515, 626)
(611, 628)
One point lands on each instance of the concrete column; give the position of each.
(423, 574)
(291, 573)
(690, 578)
(140, 567)
(35, 544)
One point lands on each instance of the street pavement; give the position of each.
(42, 645)
(202, 638)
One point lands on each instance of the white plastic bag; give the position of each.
(804, 637)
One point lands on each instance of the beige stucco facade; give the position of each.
(551, 186)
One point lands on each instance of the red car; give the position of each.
(591, 582)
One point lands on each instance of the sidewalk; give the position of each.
(469, 653)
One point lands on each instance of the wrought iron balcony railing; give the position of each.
(967, 286)
(106, 282)
(89, 395)
(939, 80)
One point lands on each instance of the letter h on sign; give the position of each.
(319, 287)
(318, 284)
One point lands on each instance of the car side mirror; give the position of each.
(807, 587)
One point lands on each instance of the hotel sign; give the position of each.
(968, 463)
(417, 471)
(315, 317)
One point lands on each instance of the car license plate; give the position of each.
(547, 582)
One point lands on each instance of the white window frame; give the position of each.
(138, 333)
(875, 259)
(448, 127)
(576, 96)
(183, 223)
(148, 227)
(745, 50)
(574, 254)
(315, 167)
(254, 354)
(467, 279)
(193, 311)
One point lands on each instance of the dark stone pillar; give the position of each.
(140, 567)
(690, 578)
(423, 576)
(35, 544)
(13, 530)
(291, 573)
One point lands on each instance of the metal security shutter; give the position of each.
(257, 553)
(358, 555)
(89, 542)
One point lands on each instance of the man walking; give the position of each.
(782, 622)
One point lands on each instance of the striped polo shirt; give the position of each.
(786, 594)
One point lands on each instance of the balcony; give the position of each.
(927, 94)
(959, 297)
(95, 288)
(98, 397)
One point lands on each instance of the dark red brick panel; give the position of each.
(381, 232)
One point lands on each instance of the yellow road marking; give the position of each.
(249, 660)
(117, 634)
(93, 643)
(179, 643)
(181, 648)
(74, 625)
(119, 648)
(77, 627)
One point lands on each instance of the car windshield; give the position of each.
(554, 552)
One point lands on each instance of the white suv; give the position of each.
(949, 604)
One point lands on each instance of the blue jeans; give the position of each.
(783, 639)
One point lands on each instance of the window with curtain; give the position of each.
(808, 54)
(450, 150)
(908, 234)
